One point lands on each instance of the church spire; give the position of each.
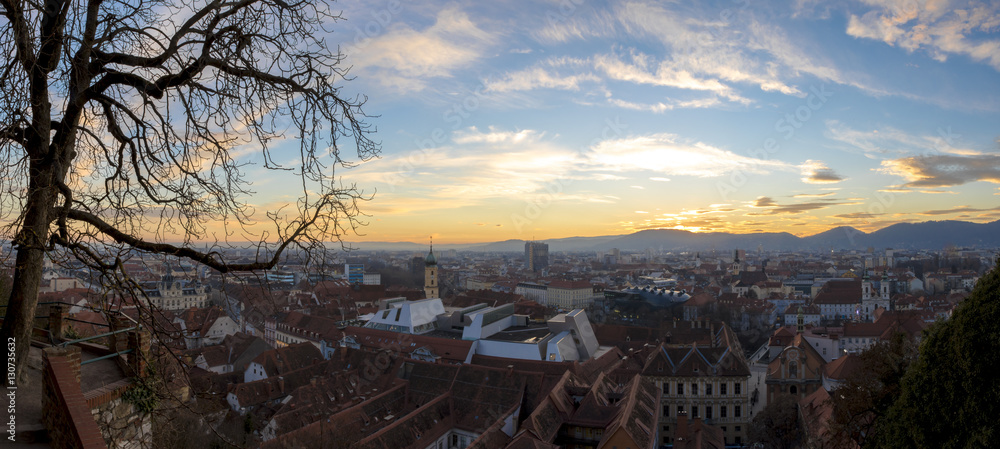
(431, 274)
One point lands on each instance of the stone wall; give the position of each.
(101, 418)
(122, 425)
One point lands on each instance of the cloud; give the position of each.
(882, 141)
(546, 76)
(578, 26)
(939, 28)
(764, 201)
(666, 154)
(643, 69)
(944, 170)
(405, 59)
(813, 195)
(959, 210)
(473, 135)
(774, 208)
(816, 172)
(659, 179)
(858, 215)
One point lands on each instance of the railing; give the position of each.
(94, 337)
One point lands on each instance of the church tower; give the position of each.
(431, 274)
(866, 287)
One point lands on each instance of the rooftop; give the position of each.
(524, 334)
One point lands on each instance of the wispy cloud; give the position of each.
(772, 207)
(886, 141)
(552, 73)
(813, 195)
(959, 210)
(667, 154)
(405, 59)
(937, 27)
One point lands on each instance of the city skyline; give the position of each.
(570, 118)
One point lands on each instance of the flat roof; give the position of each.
(523, 334)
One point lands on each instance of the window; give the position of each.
(708, 389)
(694, 389)
(793, 390)
(708, 411)
(722, 388)
(680, 389)
(737, 411)
(739, 428)
(723, 411)
(666, 410)
(736, 388)
(680, 409)
(793, 369)
(666, 388)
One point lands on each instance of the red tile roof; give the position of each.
(447, 349)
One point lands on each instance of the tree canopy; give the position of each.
(777, 425)
(128, 125)
(950, 398)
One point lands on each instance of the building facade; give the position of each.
(536, 256)
(174, 294)
(708, 382)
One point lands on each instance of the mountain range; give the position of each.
(930, 235)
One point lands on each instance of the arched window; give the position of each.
(793, 369)
(793, 390)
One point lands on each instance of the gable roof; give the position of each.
(843, 367)
(288, 358)
(839, 292)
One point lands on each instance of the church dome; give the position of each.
(430, 260)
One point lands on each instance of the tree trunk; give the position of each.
(28, 268)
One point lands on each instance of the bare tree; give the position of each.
(125, 125)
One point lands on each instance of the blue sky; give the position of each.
(547, 119)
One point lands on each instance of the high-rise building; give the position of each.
(354, 272)
(536, 255)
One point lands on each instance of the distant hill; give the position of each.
(926, 235)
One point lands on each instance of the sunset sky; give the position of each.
(548, 119)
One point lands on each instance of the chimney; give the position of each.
(510, 370)
(281, 385)
(681, 434)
